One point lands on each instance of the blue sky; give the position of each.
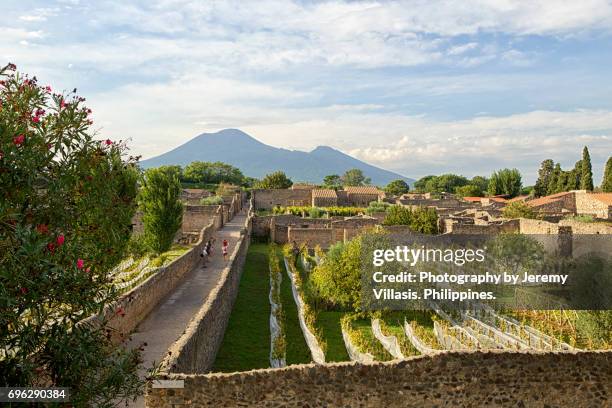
(419, 87)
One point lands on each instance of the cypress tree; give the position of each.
(574, 182)
(541, 186)
(586, 180)
(553, 180)
(606, 185)
(563, 181)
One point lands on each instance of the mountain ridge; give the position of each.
(256, 159)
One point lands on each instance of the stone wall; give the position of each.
(195, 217)
(587, 205)
(450, 379)
(196, 349)
(139, 301)
(473, 229)
(311, 236)
(268, 199)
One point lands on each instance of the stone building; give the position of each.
(598, 205)
(324, 198)
(361, 196)
(576, 202)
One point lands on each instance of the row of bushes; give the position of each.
(308, 297)
(279, 344)
(318, 212)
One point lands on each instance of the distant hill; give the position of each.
(257, 159)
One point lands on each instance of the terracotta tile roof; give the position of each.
(472, 199)
(324, 193)
(363, 190)
(605, 198)
(546, 199)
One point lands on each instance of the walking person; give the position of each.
(204, 255)
(224, 249)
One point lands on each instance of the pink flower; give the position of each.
(108, 142)
(42, 228)
(88, 270)
(48, 88)
(36, 119)
(18, 140)
(60, 240)
(62, 104)
(24, 291)
(51, 247)
(80, 263)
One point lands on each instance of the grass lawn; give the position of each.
(246, 344)
(297, 349)
(329, 322)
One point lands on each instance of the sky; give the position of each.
(418, 87)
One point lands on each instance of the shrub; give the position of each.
(376, 207)
(137, 246)
(315, 212)
(212, 200)
(420, 219)
(331, 211)
(66, 204)
(518, 209)
(162, 210)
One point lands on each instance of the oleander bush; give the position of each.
(66, 204)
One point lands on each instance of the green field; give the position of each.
(329, 322)
(246, 344)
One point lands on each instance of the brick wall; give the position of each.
(450, 379)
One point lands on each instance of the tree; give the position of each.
(606, 185)
(518, 209)
(505, 182)
(575, 177)
(469, 190)
(586, 178)
(397, 187)
(421, 183)
(553, 181)
(276, 180)
(481, 182)
(332, 181)
(355, 177)
(162, 210)
(420, 219)
(66, 205)
(544, 174)
(213, 173)
(174, 169)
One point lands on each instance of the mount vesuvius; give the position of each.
(257, 159)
